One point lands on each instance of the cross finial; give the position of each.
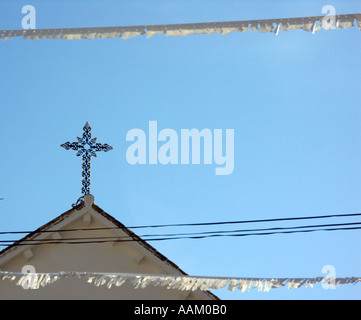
(87, 148)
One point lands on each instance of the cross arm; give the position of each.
(70, 145)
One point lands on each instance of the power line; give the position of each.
(255, 230)
(194, 224)
(249, 221)
(199, 236)
(209, 232)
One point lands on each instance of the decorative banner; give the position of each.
(178, 282)
(310, 24)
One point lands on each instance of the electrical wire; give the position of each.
(210, 232)
(249, 221)
(234, 233)
(194, 224)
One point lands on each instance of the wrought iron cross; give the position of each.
(87, 148)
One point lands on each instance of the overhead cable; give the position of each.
(194, 224)
(99, 240)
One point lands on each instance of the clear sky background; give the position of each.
(292, 99)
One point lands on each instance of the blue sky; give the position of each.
(291, 99)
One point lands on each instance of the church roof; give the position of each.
(56, 225)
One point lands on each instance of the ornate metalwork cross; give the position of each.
(87, 148)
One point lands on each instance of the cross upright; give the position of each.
(87, 148)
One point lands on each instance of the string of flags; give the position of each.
(178, 282)
(310, 24)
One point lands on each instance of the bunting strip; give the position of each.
(177, 282)
(310, 24)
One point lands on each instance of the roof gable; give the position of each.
(87, 221)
